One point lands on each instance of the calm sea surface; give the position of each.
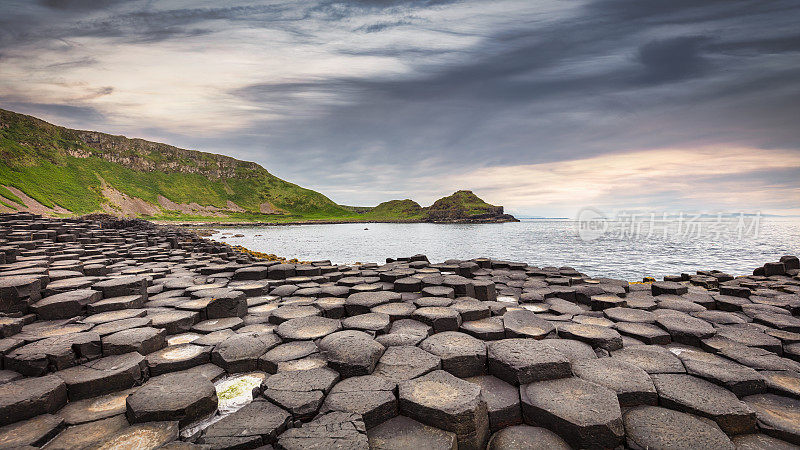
(621, 250)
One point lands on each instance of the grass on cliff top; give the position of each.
(465, 201)
(35, 158)
(395, 210)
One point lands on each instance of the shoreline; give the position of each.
(316, 222)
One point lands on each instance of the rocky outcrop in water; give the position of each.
(120, 333)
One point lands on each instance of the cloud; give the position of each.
(679, 178)
(372, 100)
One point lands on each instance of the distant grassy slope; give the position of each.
(59, 166)
(396, 210)
(462, 206)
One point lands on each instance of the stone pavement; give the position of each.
(131, 335)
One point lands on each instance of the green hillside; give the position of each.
(86, 172)
(462, 206)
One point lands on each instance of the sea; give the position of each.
(627, 249)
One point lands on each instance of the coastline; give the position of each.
(221, 224)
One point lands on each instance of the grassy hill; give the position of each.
(84, 172)
(462, 206)
(53, 170)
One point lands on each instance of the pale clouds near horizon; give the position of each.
(543, 106)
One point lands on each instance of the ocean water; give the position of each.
(620, 249)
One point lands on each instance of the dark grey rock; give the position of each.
(441, 400)
(583, 413)
(522, 361)
(183, 396)
(652, 427)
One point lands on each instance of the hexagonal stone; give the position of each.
(30, 433)
(739, 379)
(307, 328)
(300, 392)
(333, 430)
(17, 290)
(668, 287)
(461, 354)
(439, 317)
(288, 312)
(225, 323)
(523, 323)
(777, 416)
(686, 329)
(783, 382)
(583, 413)
(528, 437)
(644, 332)
(178, 357)
(183, 396)
(631, 383)
(117, 287)
(400, 433)
(110, 316)
(115, 304)
(174, 322)
(697, 396)
(351, 353)
(522, 361)
(115, 326)
(370, 396)
(759, 441)
(86, 434)
(653, 427)
(651, 359)
(241, 352)
(29, 397)
(104, 375)
(260, 419)
(441, 400)
(144, 340)
(370, 322)
(54, 353)
(572, 349)
(66, 304)
(363, 302)
(96, 408)
(488, 329)
(395, 310)
(401, 363)
(502, 401)
(289, 351)
(426, 302)
(150, 435)
(594, 335)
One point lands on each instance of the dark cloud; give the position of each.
(592, 77)
(59, 113)
(79, 4)
(674, 59)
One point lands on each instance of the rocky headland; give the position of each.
(60, 172)
(124, 334)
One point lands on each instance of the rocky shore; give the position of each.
(122, 334)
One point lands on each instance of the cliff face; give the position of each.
(150, 156)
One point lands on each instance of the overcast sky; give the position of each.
(542, 106)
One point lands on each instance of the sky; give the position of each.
(542, 106)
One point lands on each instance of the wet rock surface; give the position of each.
(149, 336)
